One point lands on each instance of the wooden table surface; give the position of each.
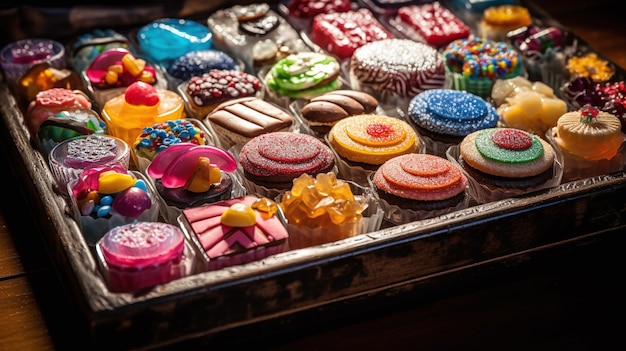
(572, 301)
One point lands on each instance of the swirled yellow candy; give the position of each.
(238, 215)
(111, 182)
(372, 139)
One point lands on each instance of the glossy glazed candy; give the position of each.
(432, 23)
(89, 45)
(138, 256)
(188, 175)
(50, 102)
(140, 105)
(71, 157)
(19, 56)
(44, 76)
(164, 40)
(105, 197)
(67, 124)
(235, 231)
(323, 209)
(111, 72)
(340, 33)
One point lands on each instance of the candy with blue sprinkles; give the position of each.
(156, 138)
(451, 112)
(195, 63)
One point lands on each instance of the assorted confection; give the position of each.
(340, 33)
(432, 23)
(193, 145)
(475, 63)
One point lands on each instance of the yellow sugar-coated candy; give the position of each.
(238, 215)
(265, 206)
(133, 65)
(372, 139)
(203, 177)
(591, 66)
(111, 182)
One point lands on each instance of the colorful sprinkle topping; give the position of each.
(159, 136)
(477, 57)
(507, 145)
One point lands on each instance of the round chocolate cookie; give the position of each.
(183, 198)
(322, 112)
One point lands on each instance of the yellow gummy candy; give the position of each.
(204, 176)
(238, 215)
(133, 66)
(111, 182)
(111, 77)
(147, 77)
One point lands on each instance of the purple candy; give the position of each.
(131, 202)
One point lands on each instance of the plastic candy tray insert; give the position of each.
(268, 296)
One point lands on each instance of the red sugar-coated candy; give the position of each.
(379, 130)
(512, 139)
(437, 25)
(141, 93)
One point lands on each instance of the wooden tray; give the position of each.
(267, 297)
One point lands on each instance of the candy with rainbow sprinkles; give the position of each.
(475, 63)
(482, 58)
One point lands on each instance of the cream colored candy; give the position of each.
(530, 106)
